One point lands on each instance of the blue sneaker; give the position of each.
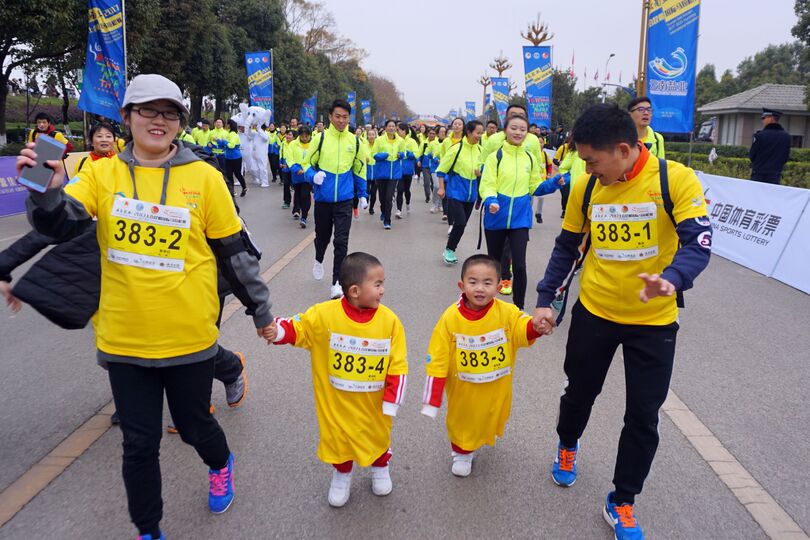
(220, 490)
(150, 537)
(387, 227)
(621, 518)
(564, 469)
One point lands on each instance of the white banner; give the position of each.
(752, 221)
(794, 266)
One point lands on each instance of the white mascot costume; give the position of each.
(244, 142)
(257, 139)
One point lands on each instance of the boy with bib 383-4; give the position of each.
(471, 357)
(359, 371)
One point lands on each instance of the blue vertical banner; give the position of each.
(538, 71)
(259, 67)
(352, 99)
(453, 114)
(365, 105)
(500, 91)
(671, 61)
(488, 100)
(104, 80)
(469, 110)
(308, 111)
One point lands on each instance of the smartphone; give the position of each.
(39, 176)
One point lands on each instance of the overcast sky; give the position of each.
(435, 50)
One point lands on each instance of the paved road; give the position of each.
(741, 367)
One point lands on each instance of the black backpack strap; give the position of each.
(318, 151)
(453, 165)
(81, 163)
(499, 157)
(669, 208)
(566, 289)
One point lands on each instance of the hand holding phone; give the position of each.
(39, 166)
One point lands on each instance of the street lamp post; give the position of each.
(604, 81)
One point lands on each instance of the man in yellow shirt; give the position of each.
(649, 237)
(641, 110)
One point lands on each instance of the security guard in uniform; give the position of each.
(770, 149)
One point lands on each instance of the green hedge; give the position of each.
(795, 173)
(796, 154)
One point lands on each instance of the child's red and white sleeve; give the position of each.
(296, 330)
(396, 380)
(437, 365)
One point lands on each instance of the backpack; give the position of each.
(669, 207)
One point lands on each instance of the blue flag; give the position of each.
(259, 67)
(366, 106)
(469, 110)
(500, 90)
(308, 111)
(104, 81)
(671, 60)
(352, 99)
(538, 71)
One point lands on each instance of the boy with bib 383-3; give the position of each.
(471, 357)
(359, 371)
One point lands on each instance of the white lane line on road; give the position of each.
(775, 522)
(50, 467)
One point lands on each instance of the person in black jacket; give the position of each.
(770, 149)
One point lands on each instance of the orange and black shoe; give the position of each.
(236, 392)
(505, 287)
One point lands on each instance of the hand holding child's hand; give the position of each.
(269, 332)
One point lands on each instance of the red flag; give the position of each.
(572, 58)
(607, 77)
(596, 75)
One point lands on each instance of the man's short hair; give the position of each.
(517, 106)
(480, 258)
(604, 126)
(340, 103)
(355, 268)
(493, 122)
(636, 100)
(205, 121)
(42, 115)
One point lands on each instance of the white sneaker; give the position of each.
(462, 464)
(340, 488)
(381, 481)
(337, 291)
(432, 209)
(398, 214)
(317, 270)
(408, 208)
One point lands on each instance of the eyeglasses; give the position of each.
(642, 109)
(146, 112)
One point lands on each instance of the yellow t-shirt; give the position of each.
(350, 361)
(158, 281)
(631, 233)
(477, 358)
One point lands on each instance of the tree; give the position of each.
(41, 30)
(802, 32)
(314, 25)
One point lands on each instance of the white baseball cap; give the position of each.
(151, 87)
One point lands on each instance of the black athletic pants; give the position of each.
(648, 353)
(286, 179)
(518, 239)
(328, 216)
(386, 189)
(404, 188)
(274, 165)
(234, 167)
(458, 213)
(138, 394)
(565, 190)
(302, 201)
(506, 260)
(372, 195)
